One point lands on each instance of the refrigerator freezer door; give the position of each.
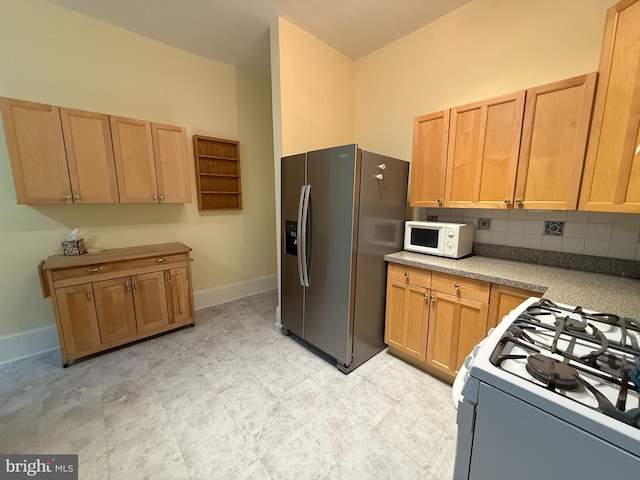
(293, 179)
(331, 173)
(383, 204)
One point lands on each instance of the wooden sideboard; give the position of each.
(107, 299)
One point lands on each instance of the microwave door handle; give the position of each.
(299, 234)
(304, 259)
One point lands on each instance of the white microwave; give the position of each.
(453, 240)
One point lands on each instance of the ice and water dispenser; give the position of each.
(291, 237)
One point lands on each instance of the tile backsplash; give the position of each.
(615, 235)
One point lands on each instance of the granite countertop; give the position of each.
(596, 291)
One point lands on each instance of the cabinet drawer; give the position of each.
(412, 275)
(462, 287)
(72, 272)
(159, 260)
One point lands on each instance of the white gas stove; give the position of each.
(556, 382)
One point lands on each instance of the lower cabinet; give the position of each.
(456, 325)
(77, 317)
(144, 291)
(437, 318)
(114, 308)
(407, 318)
(150, 300)
(503, 300)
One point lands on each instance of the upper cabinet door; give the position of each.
(36, 152)
(135, 167)
(612, 170)
(484, 141)
(172, 164)
(554, 141)
(429, 159)
(87, 139)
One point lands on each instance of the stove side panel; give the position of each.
(513, 439)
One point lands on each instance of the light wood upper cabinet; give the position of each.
(554, 141)
(429, 159)
(612, 170)
(87, 140)
(484, 141)
(171, 164)
(36, 151)
(135, 165)
(151, 161)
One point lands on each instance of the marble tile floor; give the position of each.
(232, 398)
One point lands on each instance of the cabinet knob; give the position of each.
(439, 201)
(378, 176)
(433, 299)
(426, 297)
(67, 197)
(76, 197)
(518, 201)
(135, 285)
(88, 292)
(456, 286)
(406, 274)
(507, 201)
(127, 287)
(168, 279)
(160, 260)
(155, 197)
(93, 270)
(161, 197)
(382, 166)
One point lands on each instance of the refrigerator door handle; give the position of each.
(303, 190)
(302, 258)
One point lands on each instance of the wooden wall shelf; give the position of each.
(217, 173)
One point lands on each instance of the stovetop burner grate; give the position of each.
(576, 354)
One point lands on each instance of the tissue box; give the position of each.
(73, 247)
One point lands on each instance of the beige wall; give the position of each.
(316, 92)
(483, 49)
(52, 55)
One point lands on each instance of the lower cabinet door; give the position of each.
(179, 297)
(150, 299)
(114, 306)
(395, 310)
(415, 331)
(407, 317)
(456, 325)
(78, 319)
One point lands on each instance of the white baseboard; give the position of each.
(39, 340)
(27, 343)
(226, 293)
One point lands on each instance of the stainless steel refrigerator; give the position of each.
(343, 209)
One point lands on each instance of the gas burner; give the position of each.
(554, 374)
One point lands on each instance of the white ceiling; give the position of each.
(237, 31)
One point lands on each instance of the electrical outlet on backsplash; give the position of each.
(615, 235)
